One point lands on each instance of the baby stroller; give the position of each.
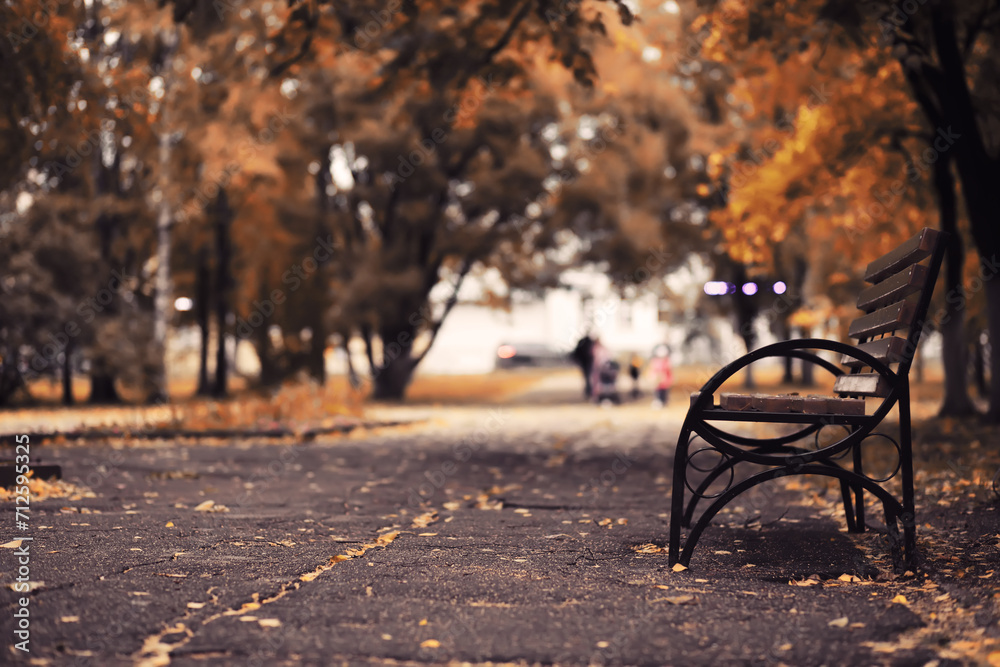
(607, 383)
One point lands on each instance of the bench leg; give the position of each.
(909, 517)
(845, 492)
(859, 493)
(677, 497)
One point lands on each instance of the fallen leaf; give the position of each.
(426, 534)
(678, 567)
(69, 619)
(13, 544)
(722, 552)
(422, 622)
(269, 623)
(452, 505)
(803, 582)
(900, 599)
(648, 549)
(425, 520)
(430, 643)
(32, 586)
(680, 599)
(170, 524)
(849, 578)
(386, 538)
(838, 622)
(210, 506)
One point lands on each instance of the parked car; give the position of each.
(521, 355)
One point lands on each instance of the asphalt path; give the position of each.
(528, 533)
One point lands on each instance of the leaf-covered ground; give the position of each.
(530, 532)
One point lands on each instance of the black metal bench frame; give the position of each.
(893, 281)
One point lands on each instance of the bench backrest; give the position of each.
(898, 299)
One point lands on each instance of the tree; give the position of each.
(812, 38)
(946, 54)
(456, 146)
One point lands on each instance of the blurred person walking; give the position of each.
(663, 375)
(634, 371)
(605, 375)
(583, 355)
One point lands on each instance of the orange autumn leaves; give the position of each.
(825, 133)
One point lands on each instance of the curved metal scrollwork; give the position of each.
(899, 456)
(818, 446)
(712, 473)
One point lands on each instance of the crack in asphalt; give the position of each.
(155, 652)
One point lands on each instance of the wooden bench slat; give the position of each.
(736, 402)
(695, 395)
(885, 320)
(761, 403)
(845, 406)
(793, 404)
(862, 384)
(890, 350)
(893, 289)
(911, 252)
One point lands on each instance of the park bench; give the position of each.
(877, 367)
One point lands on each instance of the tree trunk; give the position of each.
(392, 378)
(223, 282)
(808, 374)
(67, 374)
(163, 305)
(102, 389)
(352, 374)
(955, 114)
(957, 402)
(979, 367)
(316, 357)
(785, 333)
(993, 316)
(202, 311)
(11, 379)
(316, 354)
(270, 373)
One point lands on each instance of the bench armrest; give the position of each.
(782, 349)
